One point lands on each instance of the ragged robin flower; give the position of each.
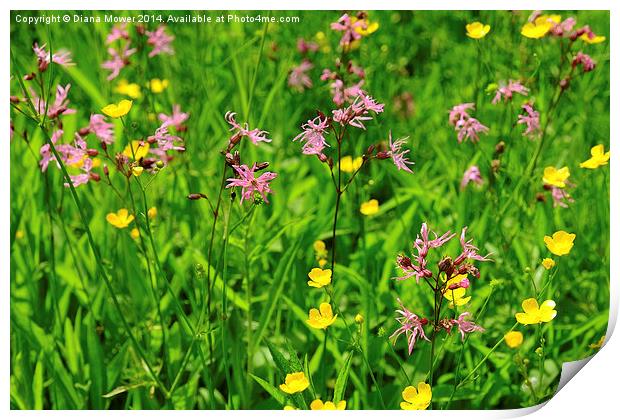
(370, 207)
(295, 382)
(477, 30)
(560, 243)
(599, 158)
(535, 314)
(513, 339)
(556, 177)
(319, 277)
(327, 405)
(121, 219)
(321, 318)
(117, 110)
(417, 399)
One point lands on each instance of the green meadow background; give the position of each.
(69, 347)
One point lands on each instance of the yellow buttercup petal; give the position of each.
(530, 305)
(117, 110)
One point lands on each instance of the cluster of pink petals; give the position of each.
(348, 29)
(563, 28)
(176, 119)
(342, 94)
(256, 135)
(411, 325)
(160, 41)
(467, 126)
(531, 119)
(249, 183)
(299, 79)
(165, 141)
(60, 105)
(468, 250)
(313, 136)
(102, 129)
(304, 47)
(399, 156)
(560, 197)
(118, 60)
(44, 58)
(472, 174)
(585, 60)
(506, 91)
(71, 155)
(423, 245)
(358, 112)
(465, 327)
(118, 31)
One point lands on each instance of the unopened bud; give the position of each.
(95, 176)
(92, 152)
(564, 83)
(83, 131)
(159, 164)
(359, 319)
(382, 155)
(424, 321)
(15, 100)
(370, 149)
(445, 264)
(29, 76)
(500, 148)
(106, 171)
(196, 196)
(495, 164)
(262, 165)
(540, 197)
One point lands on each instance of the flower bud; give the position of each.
(564, 83)
(359, 319)
(495, 164)
(382, 155)
(424, 321)
(15, 100)
(196, 196)
(106, 171)
(540, 197)
(261, 166)
(95, 176)
(92, 152)
(445, 264)
(83, 131)
(159, 164)
(29, 76)
(500, 148)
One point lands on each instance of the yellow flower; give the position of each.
(327, 405)
(295, 382)
(322, 317)
(157, 85)
(322, 262)
(289, 407)
(597, 39)
(366, 28)
(152, 212)
(359, 319)
(560, 243)
(456, 296)
(477, 30)
(117, 110)
(417, 399)
(599, 158)
(121, 219)
(319, 278)
(130, 89)
(136, 150)
(548, 263)
(535, 314)
(598, 344)
(135, 233)
(556, 177)
(369, 207)
(137, 170)
(513, 339)
(350, 165)
(19, 234)
(540, 26)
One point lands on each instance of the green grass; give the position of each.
(158, 322)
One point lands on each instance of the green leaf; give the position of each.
(271, 390)
(341, 381)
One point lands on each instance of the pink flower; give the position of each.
(469, 251)
(299, 79)
(160, 41)
(118, 60)
(176, 119)
(60, 105)
(165, 140)
(340, 94)
(356, 113)
(256, 136)
(560, 197)
(305, 47)
(459, 113)
(348, 29)
(102, 129)
(46, 152)
(313, 136)
(465, 327)
(356, 70)
(469, 129)
(531, 119)
(563, 28)
(472, 174)
(422, 245)
(249, 184)
(118, 31)
(399, 156)
(586, 62)
(328, 75)
(506, 91)
(61, 57)
(411, 325)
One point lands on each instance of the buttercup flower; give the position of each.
(556, 177)
(534, 314)
(513, 339)
(249, 184)
(319, 277)
(477, 30)
(135, 233)
(136, 150)
(370, 207)
(130, 89)
(599, 158)
(560, 243)
(295, 382)
(417, 399)
(320, 252)
(590, 37)
(327, 405)
(456, 296)
(540, 26)
(321, 318)
(152, 212)
(121, 219)
(350, 165)
(548, 263)
(158, 85)
(117, 110)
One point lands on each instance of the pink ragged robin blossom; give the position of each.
(166, 141)
(46, 152)
(255, 136)
(176, 119)
(561, 198)
(466, 327)
(411, 325)
(358, 112)
(356, 70)
(119, 31)
(160, 41)
(304, 47)
(118, 60)
(313, 136)
(472, 174)
(299, 79)
(563, 28)
(44, 58)
(102, 129)
(59, 107)
(348, 28)
(531, 119)
(459, 113)
(327, 74)
(506, 91)
(341, 94)
(249, 183)
(585, 60)
(469, 129)
(468, 250)
(399, 156)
